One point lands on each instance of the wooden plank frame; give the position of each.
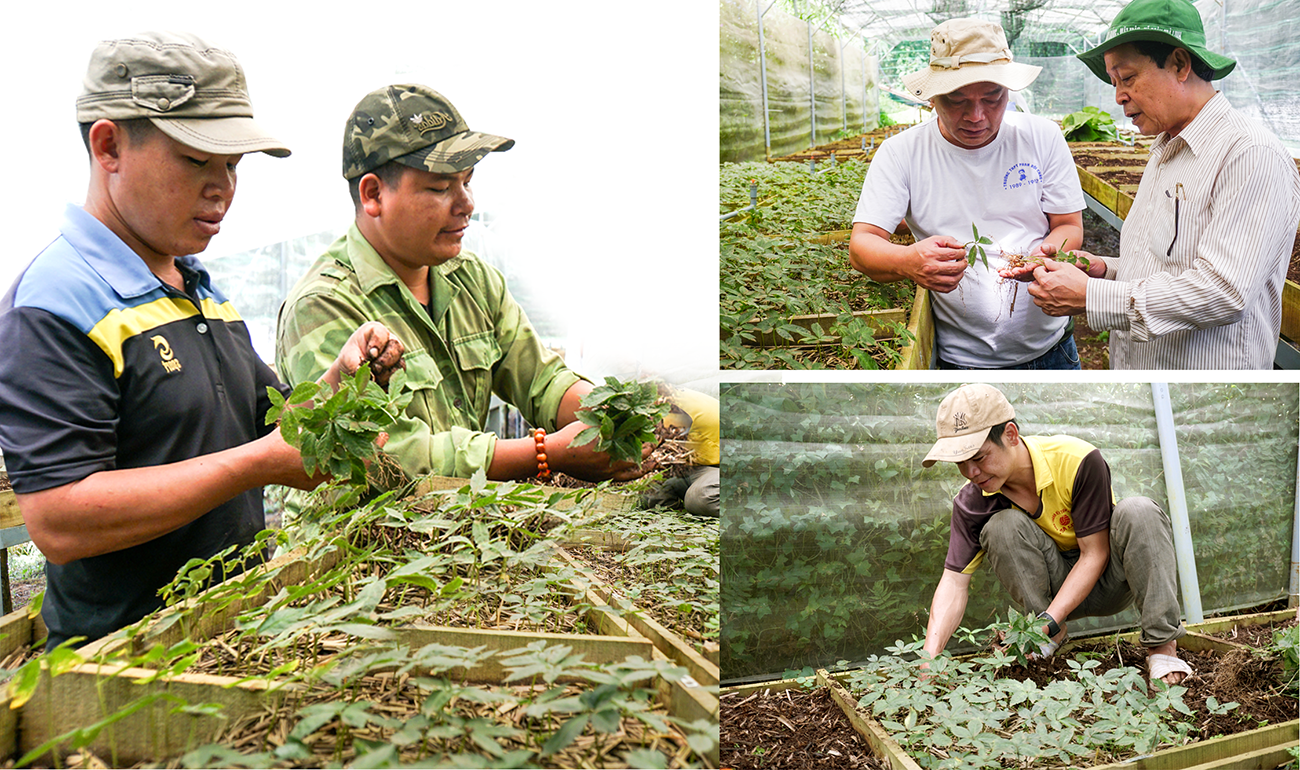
(81, 696)
(691, 697)
(886, 748)
(1263, 748)
(876, 319)
(9, 515)
(920, 351)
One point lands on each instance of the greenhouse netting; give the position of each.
(782, 61)
(834, 536)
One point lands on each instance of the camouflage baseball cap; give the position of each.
(415, 126)
(191, 91)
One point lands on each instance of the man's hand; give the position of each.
(371, 343)
(284, 462)
(1059, 288)
(1096, 266)
(939, 263)
(584, 462)
(1045, 252)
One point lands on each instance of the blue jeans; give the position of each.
(1065, 355)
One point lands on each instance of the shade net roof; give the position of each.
(887, 22)
(1263, 36)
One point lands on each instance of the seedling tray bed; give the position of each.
(784, 273)
(843, 149)
(265, 643)
(1264, 747)
(791, 730)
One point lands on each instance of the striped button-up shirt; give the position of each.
(1204, 251)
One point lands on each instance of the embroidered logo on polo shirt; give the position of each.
(164, 348)
(1063, 520)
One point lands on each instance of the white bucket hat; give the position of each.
(965, 51)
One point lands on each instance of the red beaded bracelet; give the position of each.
(543, 470)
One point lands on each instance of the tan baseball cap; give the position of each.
(964, 420)
(965, 51)
(193, 92)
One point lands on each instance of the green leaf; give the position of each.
(566, 735)
(24, 682)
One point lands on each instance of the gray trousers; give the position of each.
(1142, 567)
(702, 494)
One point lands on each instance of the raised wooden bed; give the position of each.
(919, 319)
(9, 515)
(1264, 748)
(83, 695)
(843, 149)
(1099, 164)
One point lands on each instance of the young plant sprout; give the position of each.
(621, 416)
(976, 247)
(337, 434)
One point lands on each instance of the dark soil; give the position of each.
(22, 591)
(1118, 178)
(790, 730)
(1258, 637)
(1239, 676)
(1090, 161)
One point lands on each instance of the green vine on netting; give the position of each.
(621, 416)
(338, 435)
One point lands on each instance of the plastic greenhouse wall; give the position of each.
(834, 536)
(258, 281)
(844, 84)
(1264, 37)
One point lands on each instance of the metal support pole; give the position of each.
(844, 93)
(812, 87)
(1183, 550)
(1293, 592)
(762, 76)
(7, 600)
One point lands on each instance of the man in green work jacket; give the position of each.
(409, 158)
(1042, 510)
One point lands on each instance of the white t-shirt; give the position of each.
(1006, 189)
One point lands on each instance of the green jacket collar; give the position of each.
(373, 272)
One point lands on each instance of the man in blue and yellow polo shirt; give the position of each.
(132, 403)
(1042, 510)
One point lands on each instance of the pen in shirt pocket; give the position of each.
(1178, 196)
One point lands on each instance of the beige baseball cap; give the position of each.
(192, 91)
(964, 420)
(965, 51)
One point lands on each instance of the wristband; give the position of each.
(539, 440)
(1052, 628)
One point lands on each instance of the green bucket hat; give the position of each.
(1176, 22)
(415, 126)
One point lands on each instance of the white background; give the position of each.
(607, 200)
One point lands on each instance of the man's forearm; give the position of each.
(877, 257)
(946, 611)
(112, 510)
(1078, 584)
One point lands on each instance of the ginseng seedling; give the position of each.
(976, 247)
